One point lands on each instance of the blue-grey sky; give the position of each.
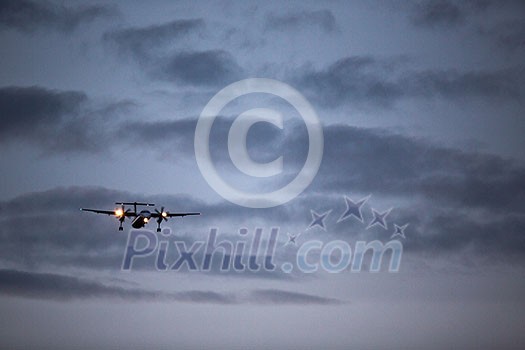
(422, 106)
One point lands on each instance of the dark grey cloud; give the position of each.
(38, 115)
(48, 229)
(387, 163)
(439, 13)
(158, 50)
(368, 81)
(146, 43)
(492, 239)
(30, 108)
(58, 122)
(162, 137)
(452, 199)
(63, 121)
(440, 182)
(504, 84)
(351, 79)
(196, 296)
(376, 161)
(39, 285)
(62, 287)
(323, 19)
(199, 68)
(508, 35)
(500, 21)
(447, 13)
(29, 16)
(61, 199)
(277, 296)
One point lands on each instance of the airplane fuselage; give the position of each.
(142, 219)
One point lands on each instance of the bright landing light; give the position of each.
(119, 212)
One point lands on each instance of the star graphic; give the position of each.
(318, 219)
(353, 208)
(399, 231)
(292, 238)
(379, 218)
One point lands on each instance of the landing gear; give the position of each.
(162, 215)
(120, 228)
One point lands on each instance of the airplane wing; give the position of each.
(108, 212)
(170, 215)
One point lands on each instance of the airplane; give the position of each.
(142, 217)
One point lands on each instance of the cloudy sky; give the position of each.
(422, 106)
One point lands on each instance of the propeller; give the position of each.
(121, 215)
(163, 215)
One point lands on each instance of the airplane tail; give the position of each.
(135, 203)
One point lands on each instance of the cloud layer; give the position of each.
(29, 16)
(365, 80)
(66, 288)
